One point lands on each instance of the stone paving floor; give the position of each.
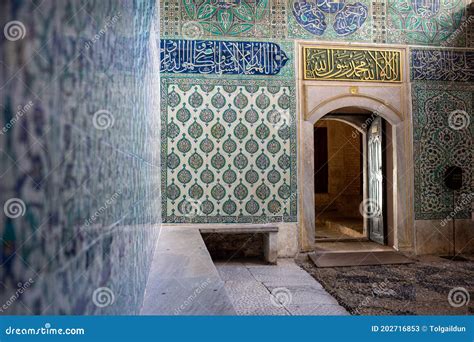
(429, 286)
(284, 289)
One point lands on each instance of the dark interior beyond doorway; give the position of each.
(338, 156)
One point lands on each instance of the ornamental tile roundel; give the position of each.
(206, 115)
(218, 192)
(184, 176)
(207, 176)
(173, 130)
(183, 114)
(226, 147)
(251, 115)
(184, 145)
(251, 146)
(230, 115)
(206, 145)
(218, 100)
(229, 145)
(218, 161)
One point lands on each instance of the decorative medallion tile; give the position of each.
(228, 151)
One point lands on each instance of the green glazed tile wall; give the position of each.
(228, 151)
(434, 22)
(426, 22)
(90, 186)
(439, 143)
(282, 22)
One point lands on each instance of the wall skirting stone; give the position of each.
(436, 237)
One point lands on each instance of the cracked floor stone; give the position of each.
(255, 288)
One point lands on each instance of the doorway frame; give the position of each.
(392, 102)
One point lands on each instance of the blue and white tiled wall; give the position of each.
(79, 155)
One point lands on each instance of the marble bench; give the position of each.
(270, 240)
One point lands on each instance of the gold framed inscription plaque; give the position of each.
(352, 64)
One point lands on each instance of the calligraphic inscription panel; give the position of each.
(442, 65)
(329, 19)
(229, 151)
(340, 64)
(207, 57)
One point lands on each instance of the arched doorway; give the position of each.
(399, 211)
(353, 191)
